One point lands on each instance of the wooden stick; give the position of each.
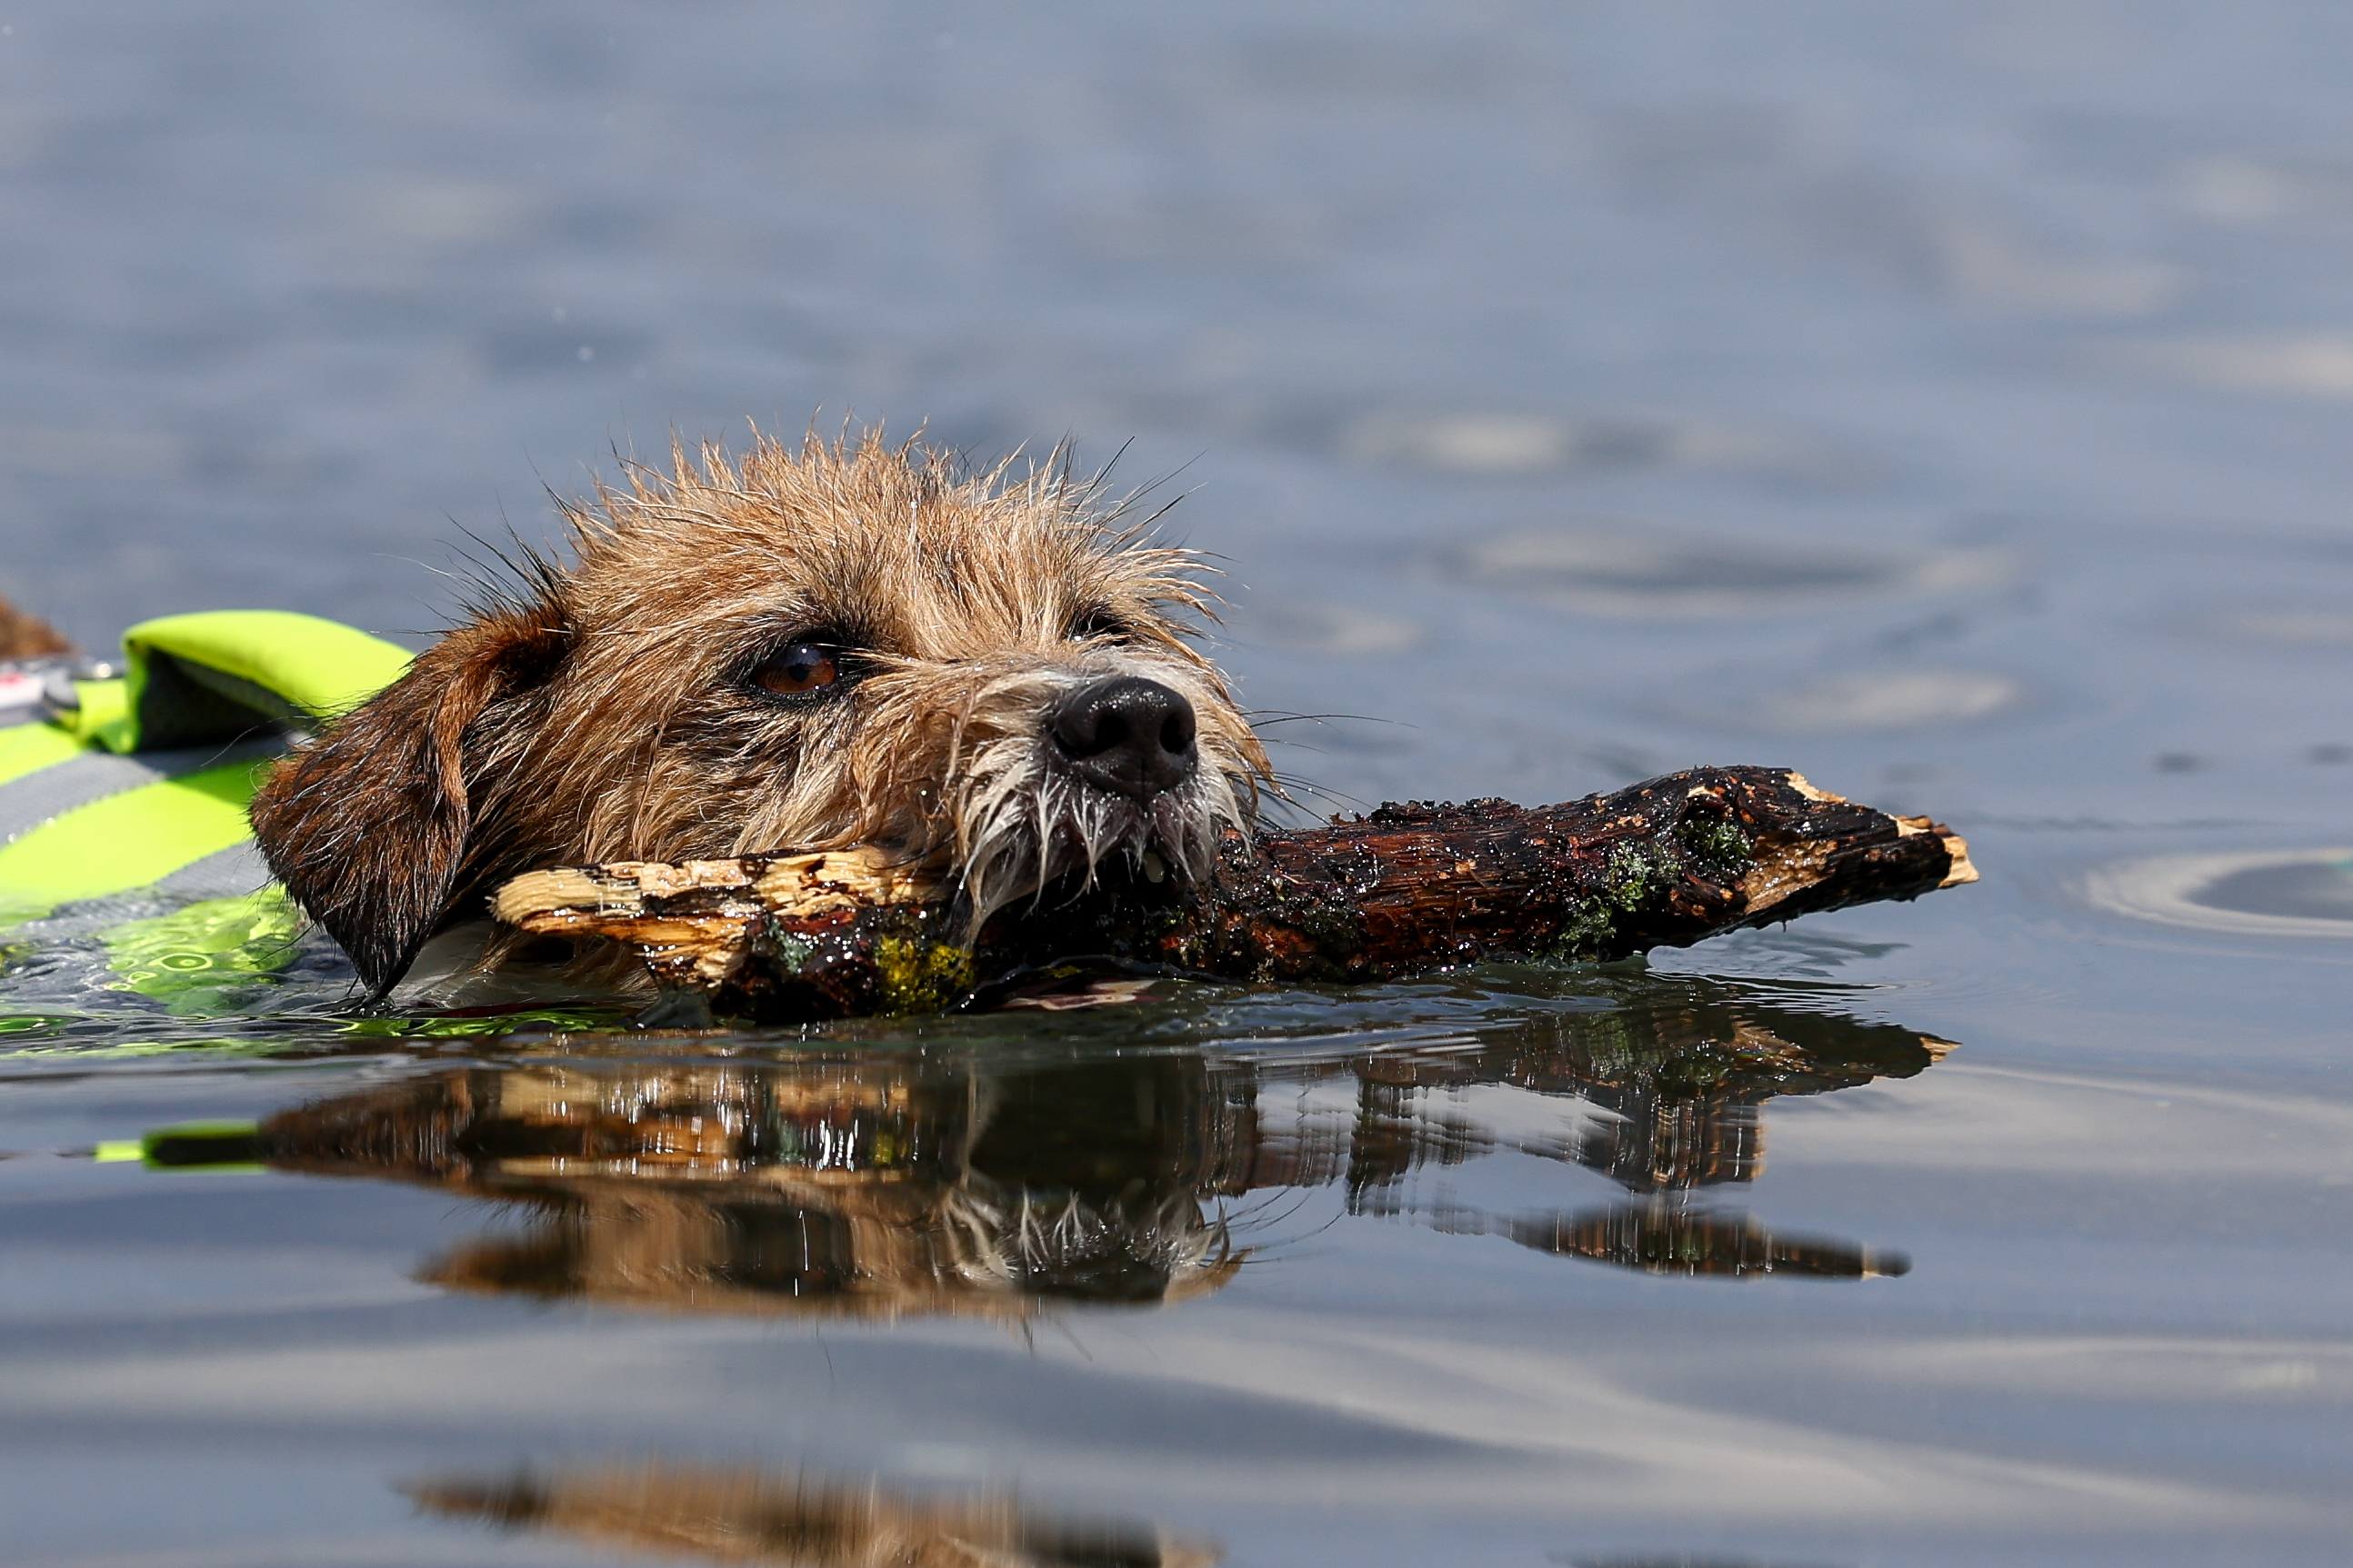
(1405, 889)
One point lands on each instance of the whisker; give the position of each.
(1276, 716)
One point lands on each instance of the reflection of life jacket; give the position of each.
(142, 780)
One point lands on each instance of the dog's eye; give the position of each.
(797, 670)
(1098, 624)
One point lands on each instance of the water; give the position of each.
(1947, 400)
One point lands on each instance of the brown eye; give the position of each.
(1097, 623)
(797, 671)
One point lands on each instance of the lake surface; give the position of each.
(1951, 401)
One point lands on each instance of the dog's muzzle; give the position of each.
(1127, 735)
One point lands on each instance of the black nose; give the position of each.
(1131, 736)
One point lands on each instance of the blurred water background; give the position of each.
(1950, 400)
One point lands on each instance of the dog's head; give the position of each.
(808, 648)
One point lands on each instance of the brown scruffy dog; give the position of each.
(28, 636)
(846, 643)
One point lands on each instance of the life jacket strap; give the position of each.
(38, 797)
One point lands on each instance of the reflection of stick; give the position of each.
(1663, 1239)
(1663, 864)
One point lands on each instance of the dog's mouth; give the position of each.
(1061, 837)
(1111, 785)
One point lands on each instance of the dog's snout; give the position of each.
(1129, 735)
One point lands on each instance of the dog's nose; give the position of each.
(1128, 735)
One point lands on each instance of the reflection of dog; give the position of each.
(809, 1186)
(904, 1181)
(846, 643)
(745, 1516)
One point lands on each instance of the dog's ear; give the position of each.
(367, 826)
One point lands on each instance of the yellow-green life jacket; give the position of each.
(146, 783)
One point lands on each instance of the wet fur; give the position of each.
(606, 712)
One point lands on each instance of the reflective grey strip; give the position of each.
(38, 797)
(227, 873)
